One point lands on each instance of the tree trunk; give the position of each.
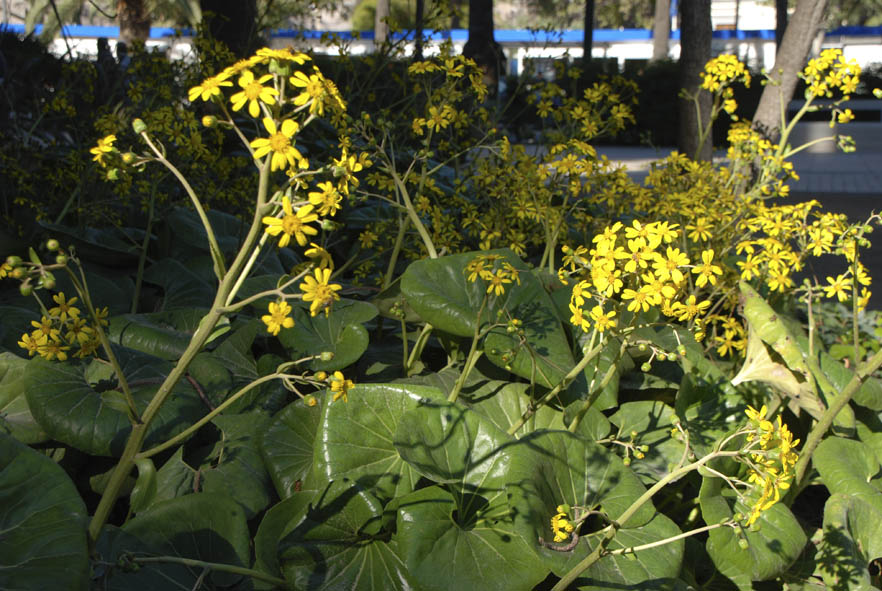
(695, 51)
(233, 22)
(588, 37)
(661, 29)
(418, 26)
(134, 21)
(780, 21)
(481, 46)
(381, 29)
(789, 60)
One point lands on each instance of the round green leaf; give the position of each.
(652, 422)
(850, 541)
(504, 403)
(340, 332)
(849, 467)
(444, 548)
(287, 446)
(202, 526)
(91, 417)
(358, 438)
(770, 551)
(327, 541)
(450, 444)
(43, 523)
(15, 414)
(551, 468)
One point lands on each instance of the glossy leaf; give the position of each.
(358, 440)
(850, 541)
(43, 522)
(144, 491)
(202, 526)
(504, 403)
(162, 334)
(87, 416)
(287, 446)
(651, 420)
(870, 392)
(849, 467)
(446, 546)
(770, 551)
(15, 415)
(552, 468)
(326, 542)
(439, 291)
(341, 333)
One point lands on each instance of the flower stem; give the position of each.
(228, 568)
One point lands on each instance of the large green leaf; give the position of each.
(554, 468)
(770, 551)
(341, 333)
(42, 523)
(15, 415)
(850, 541)
(89, 417)
(589, 380)
(203, 526)
(287, 446)
(235, 467)
(651, 420)
(451, 444)
(358, 439)
(446, 546)
(182, 284)
(438, 290)
(174, 479)
(504, 403)
(325, 539)
(849, 467)
(870, 392)
(110, 246)
(708, 408)
(112, 569)
(161, 334)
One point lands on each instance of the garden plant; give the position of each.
(317, 346)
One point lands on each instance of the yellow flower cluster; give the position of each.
(102, 149)
(319, 292)
(772, 461)
(639, 265)
(278, 317)
(722, 71)
(561, 525)
(831, 71)
(453, 66)
(62, 329)
(493, 269)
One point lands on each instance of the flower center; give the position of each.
(279, 143)
(253, 90)
(291, 224)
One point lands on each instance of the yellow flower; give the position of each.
(328, 200)
(46, 330)
(29, 344)
(707, 271)
(254, 92)
(840, 288)
(603, 321)
(279, 143)
(278, 317)
(340, 386)
(320, 256)
(317, 290)
(291, 224)
(561, 527)
(313, 91)
(104, 147)
(210, 87)
(65, 308)
(53, 350)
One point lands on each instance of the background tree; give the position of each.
(481, 45)
(791, 56)
(695, 51)
(132, 16)
(661, 29)
(588, 35)
(234, 22)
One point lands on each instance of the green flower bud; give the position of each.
(743, 544)
(626, 461)
(681, 350)
(61, 259)
(646, 366)
(662, 356)
(139, 126)
(326, 355)
(26, 289)
(13, 260)
(48, 282)
(52, 244)
(209, 121)
(128, 158)
(642, 347)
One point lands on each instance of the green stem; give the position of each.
(612, 530)
(595, 392)
(862, 372)
(418, 346)
(396, 251)
(216, 253)
(473, 356)
(142, 256)
(218, 566)
(414, 217)
(197, 341)
(567, 379)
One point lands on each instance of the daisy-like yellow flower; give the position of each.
(340, 386)
(29, 344)
(65, 308)
(840, 288)
(283, 54)
(313, 91)
(320, 256)
(210, 87)
(603, 320)
(279, 143)
(319, 292)
(328, 200)
(707, 271)
(254, 92)
(292, 223)
(104, 147)
(278, 317)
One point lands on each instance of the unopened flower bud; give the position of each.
(13, 260)
(320, 376)
(139, 126)
(326, 355)
(128, 157)
(26, 289)
(52, 244)
(61, 259)
(209, 121)
(743, 544)
(310, 400)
